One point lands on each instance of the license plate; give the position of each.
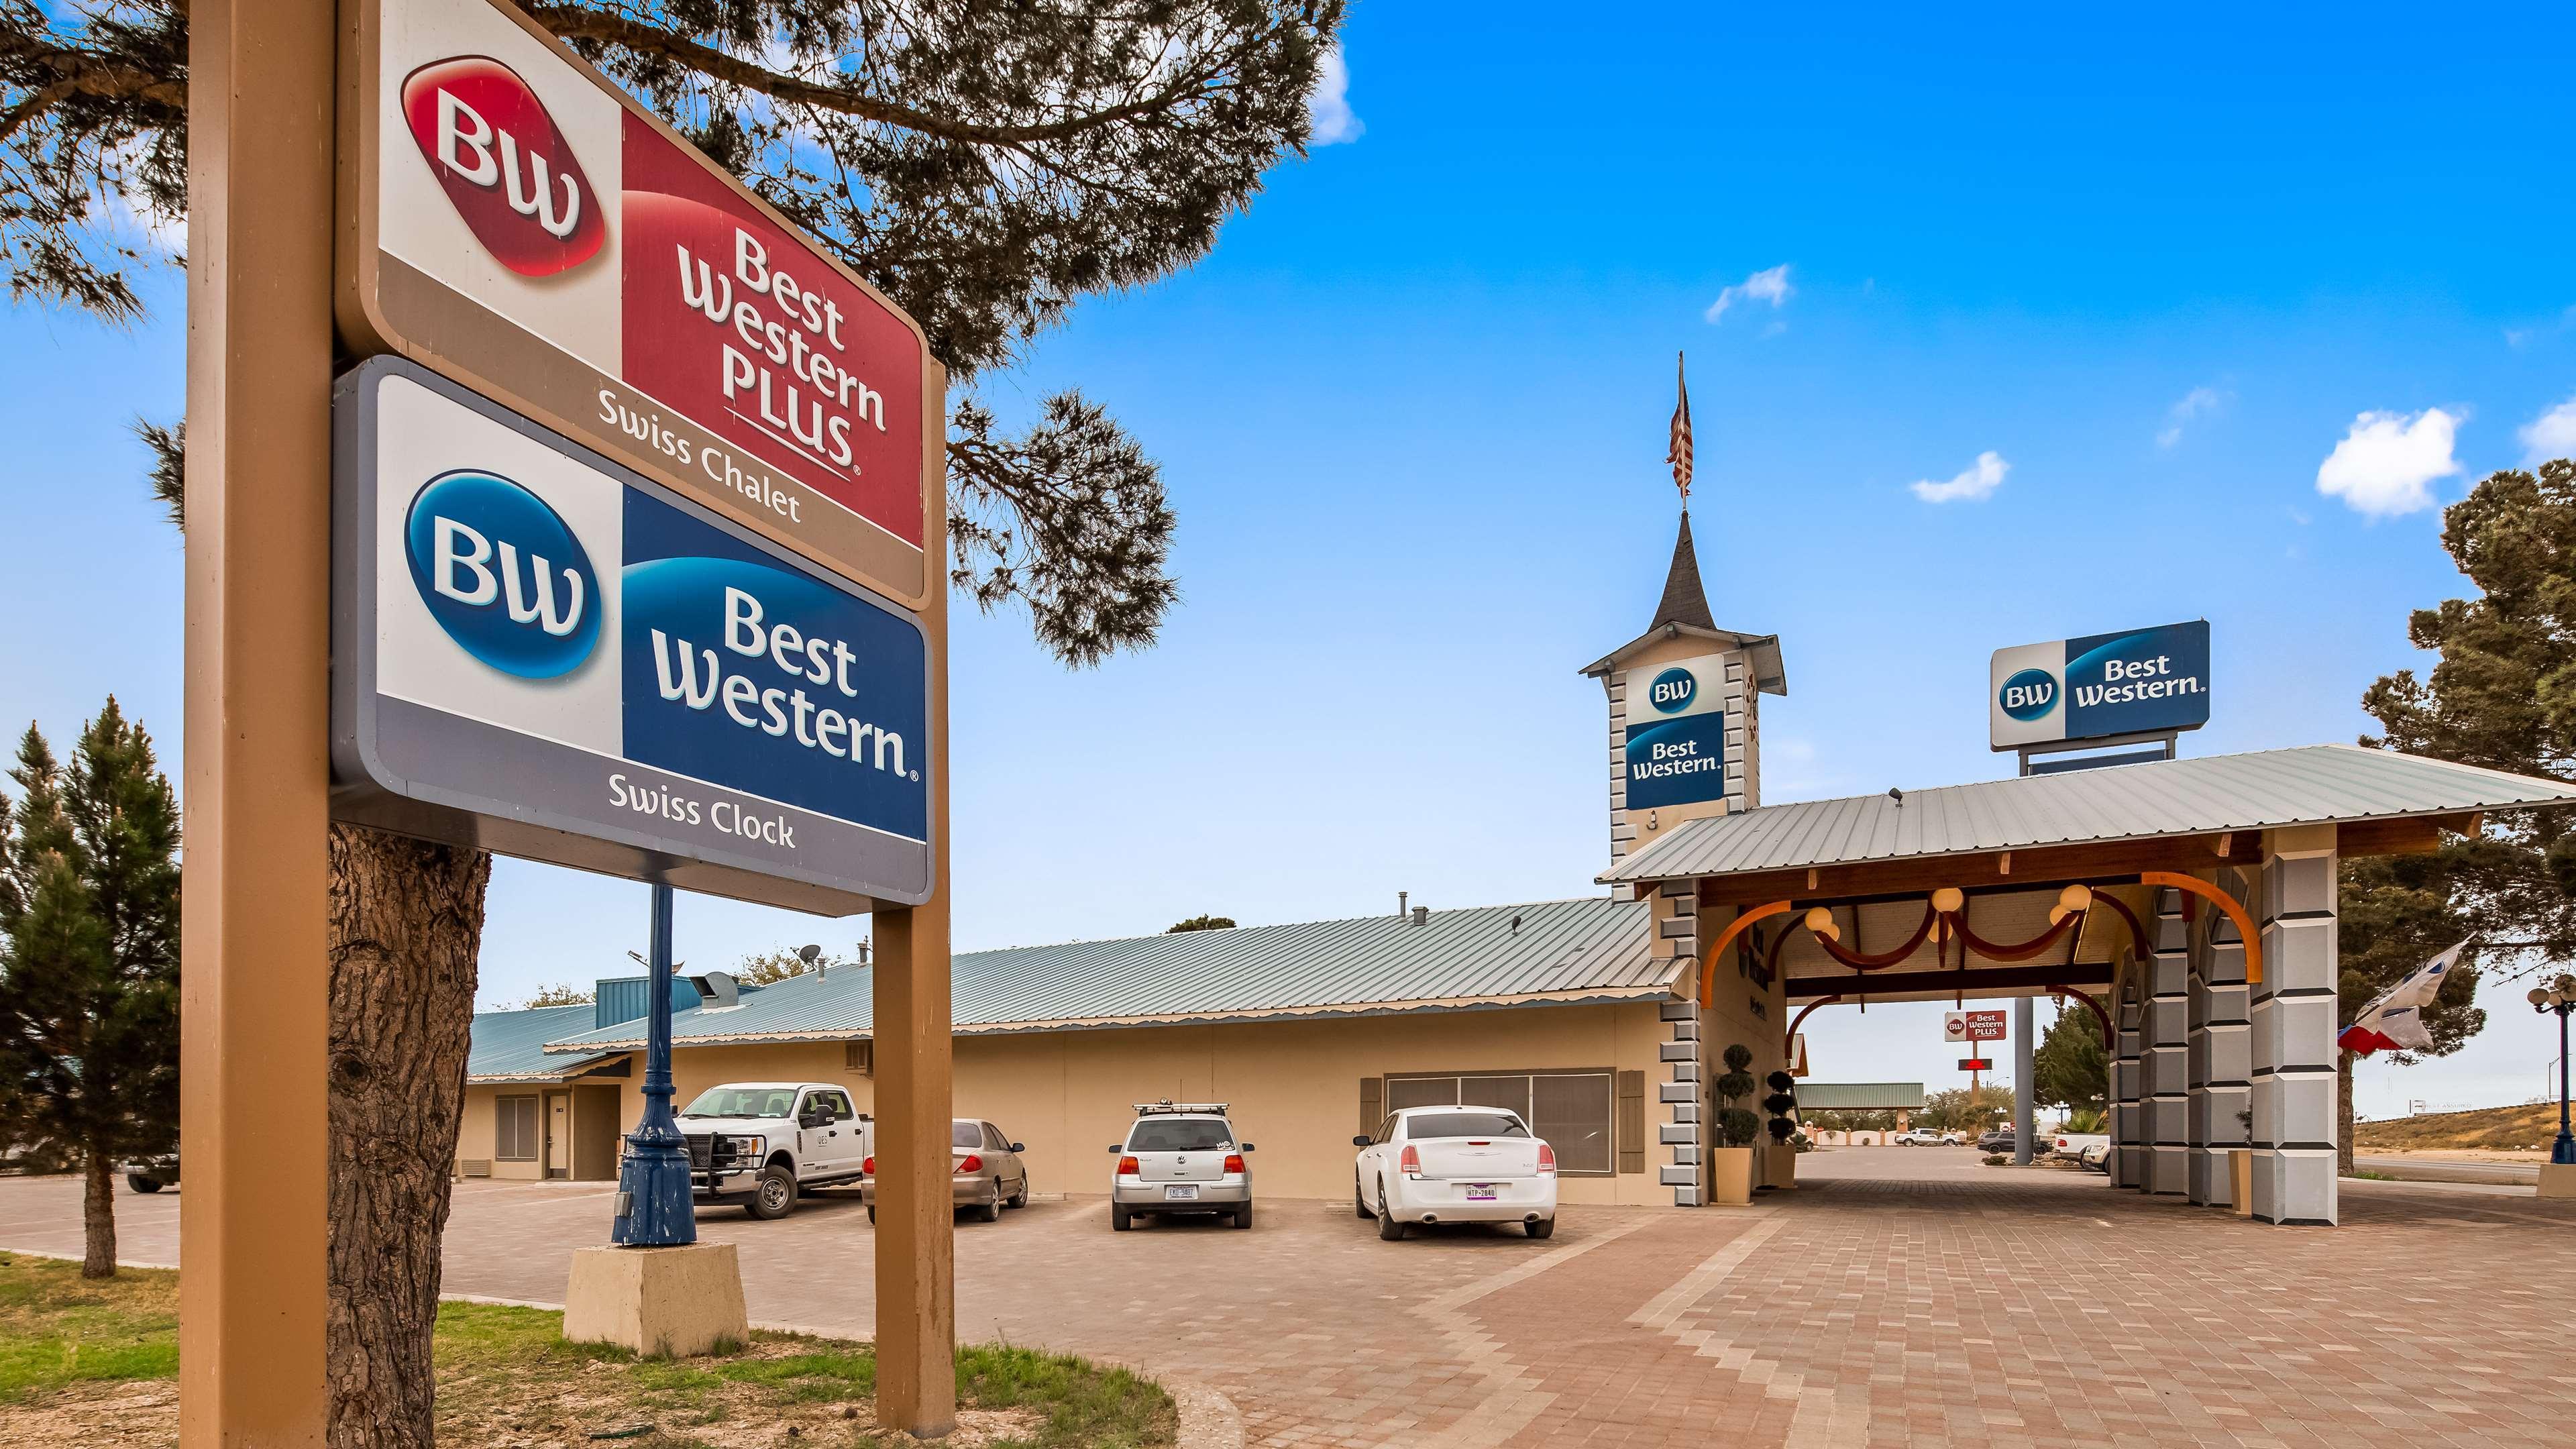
(1480, 1192)
(1183, 1193)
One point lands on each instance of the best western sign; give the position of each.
(2139, 682)
(540, 652)
(1676, 733)
(523, 227)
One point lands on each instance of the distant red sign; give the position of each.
(1975, 1064)
(1959, 1026)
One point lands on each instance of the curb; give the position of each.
(1209, 1420)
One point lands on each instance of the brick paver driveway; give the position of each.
(1902, 1297)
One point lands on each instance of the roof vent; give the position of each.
(717, 990)
(1400, 898)
(1422, 915)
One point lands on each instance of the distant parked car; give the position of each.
(1917, 1137)
(1999, 1140)
(2095, 1155)
(150, 1174)
(1455, 1165)
(986, 1174)
(1180, 1158)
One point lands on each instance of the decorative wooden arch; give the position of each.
(2110, 1038)
(1790, 1038)
(1734, 928)
(2225, 902)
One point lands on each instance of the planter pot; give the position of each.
(1730, 1176)
(2240, 1180)
(1781, 1164)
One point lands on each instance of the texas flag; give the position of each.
(2395, 1022)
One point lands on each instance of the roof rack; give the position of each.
(1168, 1106)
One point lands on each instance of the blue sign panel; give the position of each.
(1676, 749)
(2140, 681)
(539, 652)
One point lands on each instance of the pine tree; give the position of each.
(89, 962)
(2502, 696)
(2070, 1068)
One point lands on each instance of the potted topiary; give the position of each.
(1781, 1161)
(1730, 1162)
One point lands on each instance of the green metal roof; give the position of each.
(510, 1046)
(1552, 952)
(1860, 1096)
(2311, 785)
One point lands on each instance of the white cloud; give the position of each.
(2200, 402)
(2550, 435)
(2382, 467)
(1768, 285)
(1976, 485)
(1328, 105)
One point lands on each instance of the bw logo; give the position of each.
(503, 574)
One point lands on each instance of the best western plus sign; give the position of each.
(526, 229)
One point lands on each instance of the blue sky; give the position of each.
(2160, 270)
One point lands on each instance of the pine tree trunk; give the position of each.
(406, 925)
(98, 1218)
(2343, 1114)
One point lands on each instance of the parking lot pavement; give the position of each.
(1899, 1297)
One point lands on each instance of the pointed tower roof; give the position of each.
(1685, 599)
(1683, 611)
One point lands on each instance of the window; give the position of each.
(1464, 1124)
(516, 1136)
(742, 1102)
(968, 1135)
(833, 1103)
(1179, 1134)
(859, 1056)
(1569, 1110)
(994, 1141)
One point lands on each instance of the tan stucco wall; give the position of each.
(1294, 1086)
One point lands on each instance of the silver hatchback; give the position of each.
(1180, 1158)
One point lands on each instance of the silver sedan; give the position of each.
(985, 1174)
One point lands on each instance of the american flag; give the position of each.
(1680, 455)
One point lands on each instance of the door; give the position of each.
(834, 1145)
(1010, 1172)
(558, 1117)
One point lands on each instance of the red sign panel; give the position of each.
(1972, 1026)
(735, 322)
(1975, 1064)
(529, 231)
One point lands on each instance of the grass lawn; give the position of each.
(71, 1353)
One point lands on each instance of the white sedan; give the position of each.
(1455, 1165)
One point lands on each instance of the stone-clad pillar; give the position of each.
(2293, 1030)
(1681, 1098)
(2222, 1051)
(2128, 1151)
(2164, 1076)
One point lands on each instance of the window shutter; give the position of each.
(1372, 1103)
(1632, 1121)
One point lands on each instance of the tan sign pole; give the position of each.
(255, 980)
(916, 1231)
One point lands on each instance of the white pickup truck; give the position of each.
(762, 1144)
(2071, 1145)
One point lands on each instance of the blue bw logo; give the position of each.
(2029, 695)
(1672, 691)
(503, 574)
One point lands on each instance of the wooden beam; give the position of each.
(2034, 868)
(1983, 978)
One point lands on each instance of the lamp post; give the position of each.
(2559, 997)
(653, 1202)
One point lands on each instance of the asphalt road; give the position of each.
(2440, 1169)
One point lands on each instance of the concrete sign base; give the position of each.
(2558, 1179)
(657, 1302)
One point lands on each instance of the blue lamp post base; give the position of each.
(654, 1209)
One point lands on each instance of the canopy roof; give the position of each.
(2199, 804)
